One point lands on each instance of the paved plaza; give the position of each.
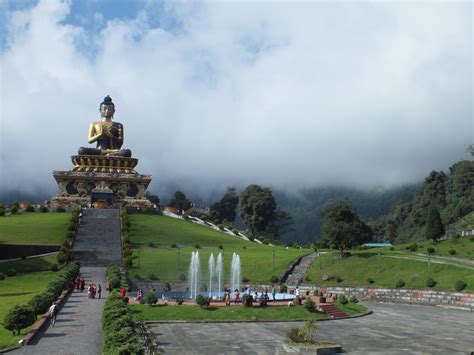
(391, 329)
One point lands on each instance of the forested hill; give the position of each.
(306, 206)
(453, 195)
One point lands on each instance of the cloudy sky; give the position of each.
(285, 94)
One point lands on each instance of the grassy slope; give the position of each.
(466, 222)
(19, 290)
(35, 264)
(464, 248)
(362, 265)
(162, 260)
(233, 313)
(34, 228)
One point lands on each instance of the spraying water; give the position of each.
(212, 269)
(219, 268)
(194, 274)
(235, 271)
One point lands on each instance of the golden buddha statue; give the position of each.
(107, 134)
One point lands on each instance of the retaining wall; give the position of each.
(458, 300)
(11, 251)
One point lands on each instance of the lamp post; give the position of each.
(378, 263)
(178, 260)
(273, 260)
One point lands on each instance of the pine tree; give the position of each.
(434, 225)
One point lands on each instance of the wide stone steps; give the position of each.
(98, 239)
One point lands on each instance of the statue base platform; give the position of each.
(95, 174)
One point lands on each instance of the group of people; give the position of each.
(248, 291)
(93, 289)
(80, 283)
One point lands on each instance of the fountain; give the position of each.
(212, 268)
(219, 268)
(194, 274)
(235, 271)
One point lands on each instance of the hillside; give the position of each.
(162, 249)
(383, 267)
(305, 207)
(452, 193)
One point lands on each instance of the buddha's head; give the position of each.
(107, 107)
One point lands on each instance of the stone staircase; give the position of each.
(98, 239)
(297, 274)
(332, 310)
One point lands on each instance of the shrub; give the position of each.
(114, 282)
(71, 227)
(247, 300)
(202, 301)
(54, 267)
(430, 250)
(412, 247)
(151, 298)
(128, 262)
(27, 269)
(309, 305)
(182, 277)
(2, 276)
(399, 284)
(152, 276)
(167, 287)
(14, 209)
(283, 288)
(2, 211)
(40, 303)
(60, 209)
(392, 248)
(179, 301)
(304, 334)
(343, 299)
(460, 285)
(62, 257)
(452, 252)
(11, 272)
(19, 317)
(274, 279)
(29, 208)
(44, 209)
(151, 245)
(174, 245)
(430, 282)
(220, 247)
(245, 279)
(338, 279)
(197, 246)
(353, 299)
(370, 280)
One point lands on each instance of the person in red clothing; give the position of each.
(123, 293)
(83, 284)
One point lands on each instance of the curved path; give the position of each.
(391, 329)
(78, 328)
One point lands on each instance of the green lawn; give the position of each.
(162, 260)
(352, 309)
(34, 264)
(356, 269)
(34, 228)
(19, 290)
(233, 313)
(464, 248)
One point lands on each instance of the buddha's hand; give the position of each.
(106, 131)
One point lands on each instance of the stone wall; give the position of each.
(11, 251)
(458, 300)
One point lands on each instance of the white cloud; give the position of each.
(283, 94)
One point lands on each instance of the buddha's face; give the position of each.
(107, 111)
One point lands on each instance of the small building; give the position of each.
(378, 245)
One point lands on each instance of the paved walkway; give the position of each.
(78, 328)
(392, 329)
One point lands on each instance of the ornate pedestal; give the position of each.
(100, 173)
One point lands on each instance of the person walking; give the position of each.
(99, 291)
(53, 312)
(273, 293)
